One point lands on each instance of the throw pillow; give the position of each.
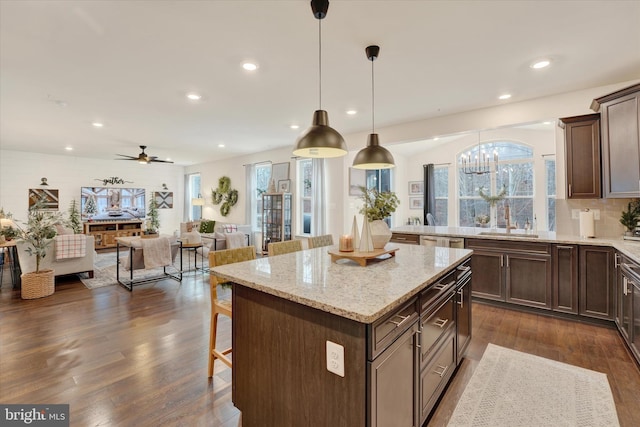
(207, 226)
(230, 228)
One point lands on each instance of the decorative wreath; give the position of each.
(492, 200)
(224, 194)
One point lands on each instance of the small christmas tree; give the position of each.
(153, 223)
(74, 221)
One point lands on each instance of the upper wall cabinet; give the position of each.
(620, 116)
(582, 148)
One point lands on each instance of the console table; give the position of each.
(134, 245)
(106, 232)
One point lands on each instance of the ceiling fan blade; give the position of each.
(160, 161)
(127, 157)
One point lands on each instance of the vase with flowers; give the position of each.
(493, 201)
(378, 205)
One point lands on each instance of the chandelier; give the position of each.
(479, 165)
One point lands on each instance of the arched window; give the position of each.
(512, 175)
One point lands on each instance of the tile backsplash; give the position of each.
(607, 226)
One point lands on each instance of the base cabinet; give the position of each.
(435, 376)
(463, 315)
(597, 282)
(514, 272)
(565, 278)
(628, 307)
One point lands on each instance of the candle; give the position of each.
(346, 243)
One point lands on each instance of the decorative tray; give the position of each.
(362, 257)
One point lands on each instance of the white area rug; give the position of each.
(510, 388)
(104, 273)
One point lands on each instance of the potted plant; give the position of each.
(378, 205)
(153, 221)
(74, 222)
(38, 234)
(630, 217)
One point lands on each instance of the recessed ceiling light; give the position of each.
(97, 124)
(194, 96)
(505, 96)
(436, 138)
(294, 127)
(68, 148)
(540, 64)
(168, 159)
(352, 112)
(220, 145)
(250, 66)
(546, 123)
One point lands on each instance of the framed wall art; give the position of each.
(284, 186)
(50, 198)
(164, 199)
(416, 203)
(279, 172)
(416, 187)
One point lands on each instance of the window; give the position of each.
(550, 168)
(193, 191)
(305, 201)
(514, 173)
(441, 186)
(262, 177)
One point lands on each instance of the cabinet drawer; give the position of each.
(385, 331)
(509, 246)
(435, 326)
(413, 239)
(437, 290)
(436, 375)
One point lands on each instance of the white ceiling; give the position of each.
(129, 64)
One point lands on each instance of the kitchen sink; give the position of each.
(504, 233)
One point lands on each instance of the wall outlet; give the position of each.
(575, 213)
(596, 214)
(335, 358)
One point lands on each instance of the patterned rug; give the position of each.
(510, 388)
(104, 273)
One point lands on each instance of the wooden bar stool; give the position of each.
(280, 248)
(320, 241)
(218, 306)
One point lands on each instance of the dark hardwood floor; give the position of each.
(140, 359)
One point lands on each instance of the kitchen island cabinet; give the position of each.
(288, 309)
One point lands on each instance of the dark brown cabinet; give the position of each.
(628, 304)
(463, 311)
(597, 282)
(565, 278)
(582, 151)
(514, 272)
(620, 121)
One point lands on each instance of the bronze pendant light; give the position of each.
(373, 156)
(320, 140)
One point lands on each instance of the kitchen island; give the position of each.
(392, 333)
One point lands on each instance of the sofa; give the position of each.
(217, 240)
(60, 267)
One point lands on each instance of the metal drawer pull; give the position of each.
(440, 322)
(461, 302)
(441, 286)
(399, 238)
(464, 268)
(443, 370)
(404, 319)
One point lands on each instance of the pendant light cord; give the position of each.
(320, 62)
(373, 102)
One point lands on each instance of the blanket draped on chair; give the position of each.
(70, 246)
(236, 240)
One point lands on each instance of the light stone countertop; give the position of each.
(629, 248)
(363, 294)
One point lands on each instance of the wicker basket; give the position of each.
(38, 285)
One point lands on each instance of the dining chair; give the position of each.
(280, 248)
(319, 241)
(220, 306)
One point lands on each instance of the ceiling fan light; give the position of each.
(320, 140)
(373, 156)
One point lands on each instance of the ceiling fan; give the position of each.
(143, 157)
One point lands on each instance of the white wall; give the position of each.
(20, 171)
